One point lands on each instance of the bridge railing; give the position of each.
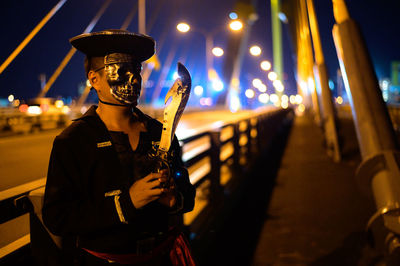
(213, 155)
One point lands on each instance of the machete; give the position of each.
(177, 97)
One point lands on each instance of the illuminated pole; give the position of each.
(276, 38)
(379, 171)
(71, 52)
(31, 35)
(142, 16)
(328, 118)
(307, 60)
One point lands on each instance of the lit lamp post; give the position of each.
(235, 25)
(265, 65)
(255, 50)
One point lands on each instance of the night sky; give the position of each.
(378, 20)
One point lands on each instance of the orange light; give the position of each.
(23, 108)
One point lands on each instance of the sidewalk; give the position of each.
(317, 214)
(307, 212)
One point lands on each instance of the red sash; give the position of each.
(179, 253)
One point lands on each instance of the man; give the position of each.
(102, 187)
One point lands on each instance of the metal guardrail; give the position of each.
(207, 155)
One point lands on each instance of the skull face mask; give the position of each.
(123, 76)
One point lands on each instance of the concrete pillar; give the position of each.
(328, 118)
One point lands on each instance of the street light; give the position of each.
(255, 50)
(256, 82)
(272, 76)
(183, 27)
(236, 25)
(217, 51)
(265, 65)
(209, 36)
(249, 93)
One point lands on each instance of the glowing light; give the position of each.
(298, 99)
(235, 82)
(206, 101)
(233, 15)
(311, 84)
(265, 65)
(278, 85)
(284, 105)
(283, 17)
(292, 99)
(34, 110)
(10, 98)
(23, 108)
(44, 107)
(277, 104)
(65, 109)
(198, 90)
(274, 98)
(262, 88)
(88, 83)
(331, 84)
(234, 105)
(217, 51)
(236, 25)
(83, 109)
(175, 75)
(257, 82)
(263, 98)
(249, 93)
(183, 27)
(301, 108)
(385, 84)
(16, 103)
(285, 98)
(212, 74)
(339, 100)
(280, 88)
(255, 50)
(303, 85)
(272, 76)
(217, 85)
(59, 104)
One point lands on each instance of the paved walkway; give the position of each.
(301, 208)
(316, 214)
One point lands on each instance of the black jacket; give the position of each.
(85, 183)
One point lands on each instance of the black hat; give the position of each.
(105, 42)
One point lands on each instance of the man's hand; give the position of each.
(148, 189)
(168, 197)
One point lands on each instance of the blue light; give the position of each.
(175, 75)
(217, 85)
(233, 15)
(331, 84)
(178, 174)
